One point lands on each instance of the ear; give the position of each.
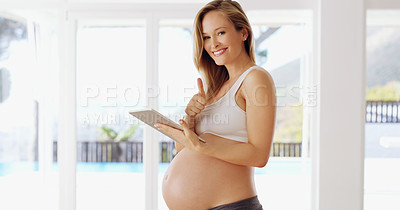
(245, 34)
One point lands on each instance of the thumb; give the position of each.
(185, 127)
(200, 86)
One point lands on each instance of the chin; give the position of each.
(219, 63)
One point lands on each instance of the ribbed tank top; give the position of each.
(224, 117)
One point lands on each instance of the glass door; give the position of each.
(28, 101)
(283, 50)
(111, 75)
(382, 126)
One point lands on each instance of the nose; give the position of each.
(214, 42)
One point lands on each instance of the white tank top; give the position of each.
(224, 117)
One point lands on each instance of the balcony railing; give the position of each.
(286, 150)
(383, 112)
(94, 151)
(133, 151)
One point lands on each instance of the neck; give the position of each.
(239, 66)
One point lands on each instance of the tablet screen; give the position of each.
(151, 116)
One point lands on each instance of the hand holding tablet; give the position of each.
(151, 117)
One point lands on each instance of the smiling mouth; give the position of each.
(219, 52)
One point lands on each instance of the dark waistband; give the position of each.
(247, 204)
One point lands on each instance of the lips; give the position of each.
(219, 52)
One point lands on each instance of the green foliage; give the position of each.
(262, 53)
(109, 134)
(125, 135)
(289, 124)
(388, 92)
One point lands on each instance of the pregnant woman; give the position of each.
(234, 112)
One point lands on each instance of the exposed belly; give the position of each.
(195, 181)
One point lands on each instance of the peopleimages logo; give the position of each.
(179, 96)
(214, 119)
(96, 118)
(110, 104)
(295, 95)
(134, 96)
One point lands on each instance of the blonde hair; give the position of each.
(215, 75)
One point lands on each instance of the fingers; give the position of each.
(201, 99)
(200, 87)
(194, 108)
(189, 133)
(198, 101)
(198, 107)
(167, 129)
(185, 127)
(190, 112)
(187, 137)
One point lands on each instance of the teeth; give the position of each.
(218, 52)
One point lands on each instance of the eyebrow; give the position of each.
(216, 29)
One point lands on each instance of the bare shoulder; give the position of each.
(258, 77)
(258, 89)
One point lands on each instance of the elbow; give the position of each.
(260, 159)
(262, 162)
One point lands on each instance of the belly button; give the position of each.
(165, 177)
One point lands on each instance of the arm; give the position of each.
(259, 93)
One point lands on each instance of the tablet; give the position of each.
(151, 116)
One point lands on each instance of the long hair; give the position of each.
(215, 75)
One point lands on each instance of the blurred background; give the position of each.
(125, 59)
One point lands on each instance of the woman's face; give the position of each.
(221, 39)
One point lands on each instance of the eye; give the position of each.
(221, 33)
(205, 37)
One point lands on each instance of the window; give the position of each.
(18, 105)
(111, 75)
(28, 105)
(283, 50)
(382, 128)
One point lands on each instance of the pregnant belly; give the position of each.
(195, 181)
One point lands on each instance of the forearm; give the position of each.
(238, 153)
